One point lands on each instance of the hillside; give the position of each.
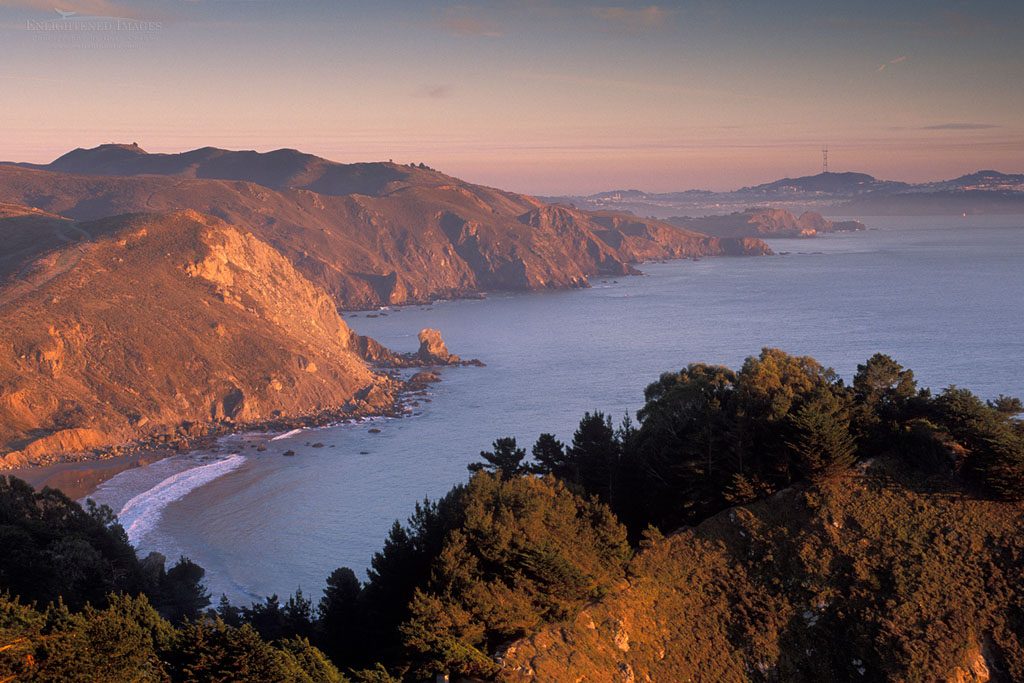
(842, 194)
(765, 222)
(838, 184)
(280, 169)
(872, 577)
(139, 325)
(369, 234)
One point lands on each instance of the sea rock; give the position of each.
(433, 350)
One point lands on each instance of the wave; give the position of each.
(293, 432)
(140, 514)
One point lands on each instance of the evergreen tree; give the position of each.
(182, 594)
(594, 455)
(506, 459)
(339, 617)
(821, 442)
(1008, 405)
(549, 456)
(883, 391)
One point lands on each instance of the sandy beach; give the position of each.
(78, 479)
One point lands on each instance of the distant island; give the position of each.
(766, 222)
(836, 194)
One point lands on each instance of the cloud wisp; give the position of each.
(633, 19)
(434, 91)
(103, 8)
(462, 21)
(961, 126)
(897, 60)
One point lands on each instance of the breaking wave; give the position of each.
(140, 514)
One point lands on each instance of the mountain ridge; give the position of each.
(843, 194)
(413, 238)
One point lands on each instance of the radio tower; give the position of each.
(824, 159)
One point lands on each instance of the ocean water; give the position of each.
(945, 297)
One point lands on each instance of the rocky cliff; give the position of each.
(137, 325)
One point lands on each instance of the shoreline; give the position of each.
(79, 478)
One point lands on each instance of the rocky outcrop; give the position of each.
(974, 669)
(766, 222)
(433, 350)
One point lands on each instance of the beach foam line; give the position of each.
(140, 514)
(292, 432)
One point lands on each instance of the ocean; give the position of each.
(944, 296)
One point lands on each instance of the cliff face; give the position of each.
(766, 223)
(133, 325)
(862, 579)
(369, 234)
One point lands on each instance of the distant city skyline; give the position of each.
(539, 97)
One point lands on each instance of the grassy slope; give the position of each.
(869, 577)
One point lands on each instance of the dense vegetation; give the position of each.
(531, 539)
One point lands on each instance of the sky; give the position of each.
(534, 96)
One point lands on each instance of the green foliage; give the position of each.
(884, 394)
(594, 455)
(505, 460)
(528, 552)
(181, 594)
(129, 641)
(548, 456)
(339, 617)
(1008, 405)
(710, 437)
(501, 557)
(822, 444)
(397, 570)
(992, 442)
(274, 621)
(52, 549)
(213, 651)
(120, 642)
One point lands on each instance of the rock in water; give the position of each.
(433, 350)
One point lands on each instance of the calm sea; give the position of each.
(945, 297)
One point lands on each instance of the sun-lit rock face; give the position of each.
(151, 321)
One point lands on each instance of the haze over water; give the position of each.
(944, 296)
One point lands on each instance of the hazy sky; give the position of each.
(535, 96)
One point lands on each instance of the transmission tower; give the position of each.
(824, 159)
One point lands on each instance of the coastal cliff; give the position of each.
(165, 326)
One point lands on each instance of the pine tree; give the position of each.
(506, 459)
(549, 456)
(822, 444)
